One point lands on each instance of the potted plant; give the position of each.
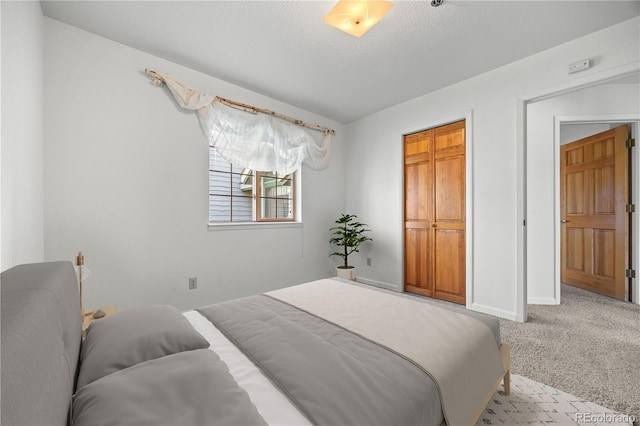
(348, 234)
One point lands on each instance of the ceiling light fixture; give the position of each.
(356, 17)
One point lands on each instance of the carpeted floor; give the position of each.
(588, 346)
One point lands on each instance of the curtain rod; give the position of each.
(254, 109)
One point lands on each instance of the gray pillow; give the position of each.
(134, 336)
(187, 388)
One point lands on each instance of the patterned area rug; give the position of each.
(533, 403)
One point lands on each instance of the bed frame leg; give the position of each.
(507, 382)
(505, 355)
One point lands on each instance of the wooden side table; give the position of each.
(88, 316)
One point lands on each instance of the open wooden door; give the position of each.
(594, 192)
(435, 215)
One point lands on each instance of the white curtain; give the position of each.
(255, 141)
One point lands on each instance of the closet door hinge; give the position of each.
(630, 273)
(630, 208)
(630, 143)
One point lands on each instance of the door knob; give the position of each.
(563, 221)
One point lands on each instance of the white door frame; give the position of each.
(635, 156)
(521, 181)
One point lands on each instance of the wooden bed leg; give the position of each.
(505, 355)
(507, 382)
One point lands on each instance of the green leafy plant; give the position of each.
(348, 234)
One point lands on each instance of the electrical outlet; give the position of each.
(579, 66)
(193, 283)
(368, 261)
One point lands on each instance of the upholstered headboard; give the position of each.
(41, 338)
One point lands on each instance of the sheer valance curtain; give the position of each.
(256, 141)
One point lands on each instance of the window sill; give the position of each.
(242, 226)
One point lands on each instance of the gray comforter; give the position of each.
(333, 376)
(457, 351)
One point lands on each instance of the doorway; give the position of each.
(543, 117)
(595, 224)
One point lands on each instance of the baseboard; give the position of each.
(542, 301)
(493, 311)
(375, 283)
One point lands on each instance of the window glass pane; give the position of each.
(219, 209)
(276, 196)
(267, 208)
(267, 185)
(285, 208)
(219, 183)
(242, 183)
(216, 162)
(276, 208)
(285, 187)
(242, 210)
(230, 209)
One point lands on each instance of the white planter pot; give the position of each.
(346, 273)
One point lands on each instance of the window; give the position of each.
(243, 195)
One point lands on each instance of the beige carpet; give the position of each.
(588, 346)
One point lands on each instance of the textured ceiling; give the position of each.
(284, 50)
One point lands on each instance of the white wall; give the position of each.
(606, 100)
(126, 182)
(573, 132)
(22, 226)
(375, 169)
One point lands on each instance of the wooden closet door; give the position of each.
(418, 239)
(435, 212)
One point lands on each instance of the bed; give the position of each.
(325, 352)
